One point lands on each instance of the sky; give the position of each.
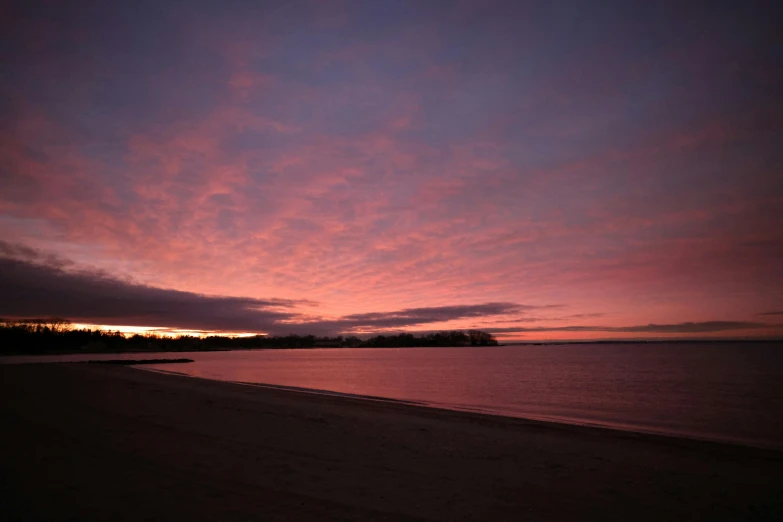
(538, 170)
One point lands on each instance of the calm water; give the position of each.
(729, 392)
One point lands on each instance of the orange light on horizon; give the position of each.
(127, 330)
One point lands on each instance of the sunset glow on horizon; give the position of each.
(155, 331)
(537, 170)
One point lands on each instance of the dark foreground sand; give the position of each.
(91, 442)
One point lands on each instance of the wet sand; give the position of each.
(96, 442)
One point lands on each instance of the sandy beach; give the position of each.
(94, 442)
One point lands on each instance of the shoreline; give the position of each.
(545, 421)
(501, 411)
(510, 344)
(145, 444)
(300, 389)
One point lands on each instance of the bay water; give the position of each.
(731, 392)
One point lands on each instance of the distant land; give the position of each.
(57, 336)
(644, 341)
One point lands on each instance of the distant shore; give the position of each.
(509, 344)
(95, 442)
(645, 341)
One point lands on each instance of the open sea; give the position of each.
(731, 392)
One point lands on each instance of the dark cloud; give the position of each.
(35, 285)
(399, 320)
(35, 289)
(522, 319)
(779, 312)
(436, 314)
(701, 327)
(681, 328)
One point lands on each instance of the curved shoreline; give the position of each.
(546, 420)
(152, 446)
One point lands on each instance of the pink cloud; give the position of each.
(324, 176)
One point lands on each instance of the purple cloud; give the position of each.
(620, 158)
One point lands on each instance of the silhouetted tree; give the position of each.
(53, 335)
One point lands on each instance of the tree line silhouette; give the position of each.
(54, 335)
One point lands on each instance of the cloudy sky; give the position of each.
(536, 169)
